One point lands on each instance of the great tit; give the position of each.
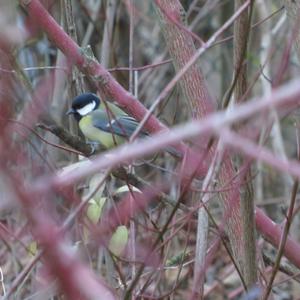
(101, 122)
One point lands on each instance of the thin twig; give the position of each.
(286, 228)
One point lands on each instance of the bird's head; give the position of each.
(83, 105)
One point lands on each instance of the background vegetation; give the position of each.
(218, 220)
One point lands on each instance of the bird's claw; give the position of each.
(94, 146)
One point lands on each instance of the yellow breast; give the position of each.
(107, 139)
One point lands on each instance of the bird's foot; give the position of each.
(95, 146)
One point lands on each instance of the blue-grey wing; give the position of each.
(121, 125)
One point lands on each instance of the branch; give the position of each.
(240, 86)
(283, 238)
(72, 140)
(87, 64)
(87, 150)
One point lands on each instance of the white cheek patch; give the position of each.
(86, 109)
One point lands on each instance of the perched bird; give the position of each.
(101, 122)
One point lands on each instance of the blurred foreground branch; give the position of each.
(87, 149)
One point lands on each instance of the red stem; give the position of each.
(104, 81)
(113, 90)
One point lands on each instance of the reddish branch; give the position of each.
(112, 90)
(287, 96)
(74, 278)
(181, 48)
(89, 66)
(195, 90)
(272, 232)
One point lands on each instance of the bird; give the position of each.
(103, 122)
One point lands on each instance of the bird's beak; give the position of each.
(70, 111)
